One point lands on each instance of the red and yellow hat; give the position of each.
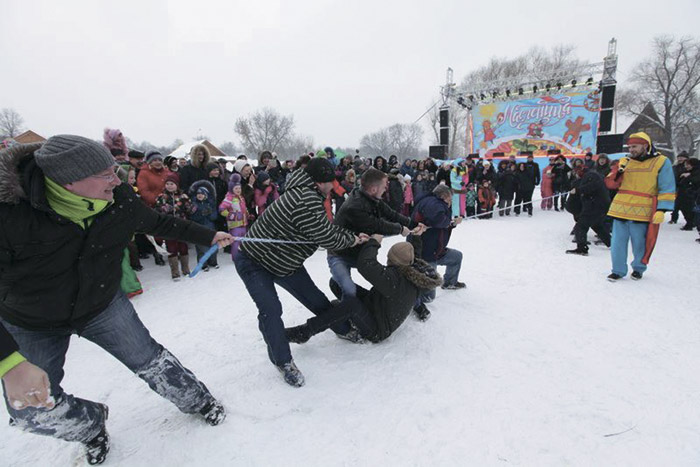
(639, 138)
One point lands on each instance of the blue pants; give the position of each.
(260, 284)
(120, 332)
(453, 260)
(340, 271)
(622, 232)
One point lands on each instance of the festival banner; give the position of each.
(566, 121)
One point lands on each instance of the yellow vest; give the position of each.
(635, 200)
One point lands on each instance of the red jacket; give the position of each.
(151, 184)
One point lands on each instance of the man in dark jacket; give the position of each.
(506, 186)
(364, 211)
(65, 221)
(594, 203)
(678, 169)
(525, 186)
(297, 220)
(196, 169)
(435, 212)
(380, 311)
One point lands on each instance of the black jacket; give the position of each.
(506, 185)
(437, 215)
(361, 213)
(560, 180)
(595, 198)
(53, 273)
(534, 169)
(394, 193)
(525, 181)
(394, 288)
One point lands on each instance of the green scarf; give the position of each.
(73, 207)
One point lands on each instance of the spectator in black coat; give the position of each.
(381, 164)
(533, 168)
(525, 187)
(678, 169)
(443, 174)
(594, 204)
(688, 189)
(506, 186)
(394, 192)
(560, 182)
(196, 169)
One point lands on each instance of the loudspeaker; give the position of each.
(608, 99)
(444, 136)
(437, 152)
(610, 144)
(444, 118)
(605, 121)
(553, 152)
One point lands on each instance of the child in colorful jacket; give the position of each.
(407, 196)
(234, 209)
(174, 202)
(486, 199)
(471, 199)
(265, 192)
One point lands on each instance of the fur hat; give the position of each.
(401, 254)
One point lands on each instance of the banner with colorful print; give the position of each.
(566, 121)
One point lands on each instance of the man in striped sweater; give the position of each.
(297, 217)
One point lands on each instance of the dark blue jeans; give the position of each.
(340, 271)
(120, 332)
(260, 284)
(453, 260)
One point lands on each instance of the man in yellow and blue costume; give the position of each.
(647, 190)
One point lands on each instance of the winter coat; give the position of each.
(233, 208)
(534, 169)
(384, 167)
(458, 178)
(408, 194)
(394, 193)
(204, 212)
(604, 169)
(361, 213)
(194, 170)
(298, 215)
(394, 289)
(560, 180)
(406, 169)
(264, 197)
(220, 187)
(486, 198)
(547, 188)
(419, 189)
(429, 186)
(507, 185)
(688, 188)
(525, 182)
(471, 198)
(442, 175)
(437, 215)
(486, 174)
(595, 198)
(151, 184)
(175, 204)
(53, 273)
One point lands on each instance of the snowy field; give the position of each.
(540, 362)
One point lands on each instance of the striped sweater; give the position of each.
(297, 215)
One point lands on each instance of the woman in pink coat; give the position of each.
(546, 187)
(265, 192)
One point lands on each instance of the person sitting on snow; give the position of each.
(66, 220)
(378, 312)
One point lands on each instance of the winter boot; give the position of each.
(174, 268)
(422, 312)
(214, 413)
(456, 286)
(97, 448)
(636, 275)
(298, 334)
(583, 251)
(185, 264)
(292, 375)
(159, 259)
(614, 277)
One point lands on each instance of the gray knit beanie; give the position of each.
(69, 158)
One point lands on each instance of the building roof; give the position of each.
(29, 137)
(645, 122)
(184, 150)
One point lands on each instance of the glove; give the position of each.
(658, 217)
(623, 164)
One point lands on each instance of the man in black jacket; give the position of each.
(65, 220)
(378, 312)
(364, 211)
(594, 201)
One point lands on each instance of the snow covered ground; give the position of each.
(540, 361)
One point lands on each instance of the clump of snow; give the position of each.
(540, 361)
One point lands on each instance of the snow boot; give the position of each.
(614, 277)
(578, 251)
(174, 268)
(214, 413)
(298, 334)
(422, 312)
(292, 375)
(159, 259)
(185, 264)
(687, 227)
(636, 275)
(457, 285)
(97, 448)
(353, 336)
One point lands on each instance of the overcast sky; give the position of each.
(162, 70)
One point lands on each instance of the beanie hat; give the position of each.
(407, 177)
(401, 254)
(173, 178)
(320, 170)
(134, 154)
(639, 138)
(153, 155)
(212, 166)
(321, 153)
(203, 191)
(234, 181)
(239, 164)
(69, 158)
(262, 177)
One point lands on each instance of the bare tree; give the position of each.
(296, 146)
(403, 140)
(669, 80)
(229, 148)
(265, 129)
(11, 123)
(458, 119)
